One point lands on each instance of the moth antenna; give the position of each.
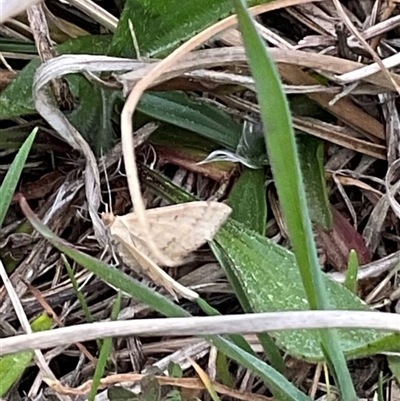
(79, 213)
(118, 170)
(152, 165)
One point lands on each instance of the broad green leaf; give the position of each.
(285, 165)
(277, 383)
(161, 26)
(13, 366)
(194, 115)
(271, 281)
(11, 179)
(17, 98)
(311, 156)
(248, 200)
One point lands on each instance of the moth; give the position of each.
(176, 230)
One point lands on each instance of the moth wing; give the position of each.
(132, 256)
(177, 230)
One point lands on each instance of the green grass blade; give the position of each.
(285, 165)
(10, 182)
(78, 292)
(104, 353)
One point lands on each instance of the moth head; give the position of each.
(108, 219)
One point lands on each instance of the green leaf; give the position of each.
(17, 98)
(169, 134)
(79, 294)
(194, 115)
(248, 200)
(394, 366)
(265, 278)
(229, 267)
(93, 114)
(13, 366)
(161, 26)
(222, 368)
(11, 179)
(174, 395)
(352, 271)
(121, 394)
(311, 156)
(175, 370)
(17, 46)
(92, 117)
(104, 352)
(269, 276)
(380, 391)
(150, 388)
